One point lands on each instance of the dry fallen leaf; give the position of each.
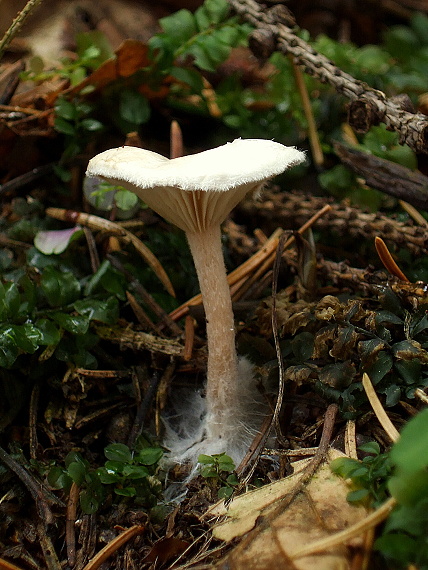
(275, 527)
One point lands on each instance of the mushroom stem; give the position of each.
(222, 374)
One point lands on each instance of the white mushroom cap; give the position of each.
(195, 191)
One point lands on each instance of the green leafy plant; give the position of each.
(126, 473)
(219, 469)
(54, 313)
(402, 473)
(206, 36)
(404, 537)
(73, 119)
(104, 196)
(368, 476)
(385, 340)
(92, 49)
(132, 473)
(77, 470)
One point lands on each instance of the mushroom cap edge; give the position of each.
(219, 169)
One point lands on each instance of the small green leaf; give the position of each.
(149, 455)
(204, 58)
(58, 478)
(208, 472)
(59, 287)
(125, 200)
(181, 26)
(211, 12)
(226, 466)
(393, 394)
(205, 459)
(75, 324)
(94, 309)
(65, 109)
(232, 479)
(134, 107)
(65, 127)
(89, 503)
(49, 332)
(108, 477)
(135, 472)
(380, 368)
(370, 447)
(74, 456)
(77, 471)
(11, 299)
(189, 76)
(225, 492)
(118, 452)
(357, 495)
(344, 466)
(388, 317)
(409, 370)
(91, 125)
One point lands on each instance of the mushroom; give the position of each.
(196, 193)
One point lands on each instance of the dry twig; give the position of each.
(343, 220)
(368, 106)
(17, 24)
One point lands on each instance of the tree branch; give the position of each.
(368, 106)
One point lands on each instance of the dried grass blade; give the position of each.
(379, 410)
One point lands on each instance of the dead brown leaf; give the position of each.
(131, 56)
(272, 527)
(165, 550)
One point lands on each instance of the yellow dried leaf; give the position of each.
(275, 527)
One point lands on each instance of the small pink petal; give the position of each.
(55, 241)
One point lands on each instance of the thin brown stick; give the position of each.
(5, 565)
(314, 140)
(419, 393)
(350, 440)
(49, 552)
(70, 537)
(92, 248)
(32, 423)
(42, 496)
(189, 337)
(140, 313)
(113, 546)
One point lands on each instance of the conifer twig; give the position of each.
(367, 107)
(17, 24)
